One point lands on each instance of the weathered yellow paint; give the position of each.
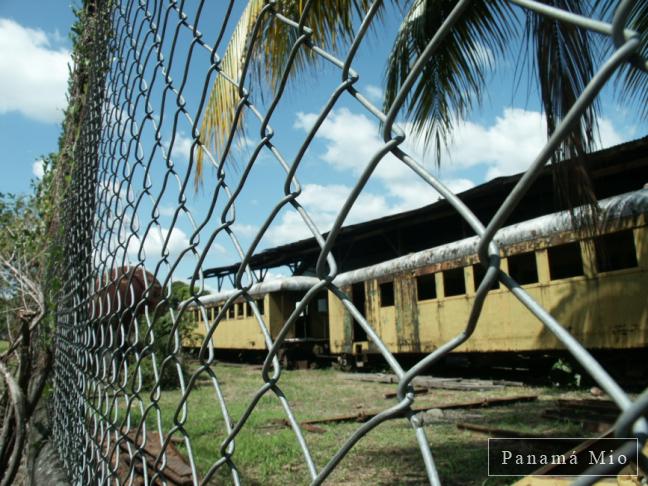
(240, 332)
(605, 310)
(372, 304)
(601, 310)
(340, 324)
(278, 312)
(387, 326)
(641, 246)
(542, 264)
(589, 259)
(407, 315)
(440, 286)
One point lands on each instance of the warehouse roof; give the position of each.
(630, 205)
(615, 170)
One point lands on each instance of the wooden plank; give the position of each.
(417, 391)
(486, 402)
(176, 471)
(365, 416)
(589, 404)
(471, 384)
(568, 414)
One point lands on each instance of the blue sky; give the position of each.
(500, 138)
(35, 54)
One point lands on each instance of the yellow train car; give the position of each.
(595, 288)
(239, 332)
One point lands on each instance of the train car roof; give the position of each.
(629, 205)
(295, 284)
(615, 170)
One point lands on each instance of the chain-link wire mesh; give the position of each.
(139, 57)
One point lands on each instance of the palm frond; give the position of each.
(634, 82)
(224, 97)
(565, 63)
(332, 27)
(452, 82)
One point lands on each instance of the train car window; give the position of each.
(522, 268)
(322, 305)
(358, 296)
(565, 261)
(248, 310)
(454, 282)
(239, 310)
(479, 272)
(259, 303)
(230, 312)
(386, 294)
(426, 287)
(615, 251)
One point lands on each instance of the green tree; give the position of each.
(162, 340)
(26, 358)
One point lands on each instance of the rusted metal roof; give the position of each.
(629, 158)
(630, 205)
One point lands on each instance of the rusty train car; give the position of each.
(239, 332)
(596, 287)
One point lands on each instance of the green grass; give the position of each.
(268, 453)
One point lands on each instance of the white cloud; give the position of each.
(375, 93)
(181, 147)
(277, 273)
(218, 248)
(166, 210)
(323, 203)
(37, 169)
(245, 230)
(484, 55)
(608, 134)
(350, 140)
(154, 243)
(178, 242)
(508, 146)
(33, 75)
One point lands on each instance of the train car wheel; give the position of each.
(346, 362)
(284, 359)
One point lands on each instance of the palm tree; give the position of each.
(332, 24)
(562, 56)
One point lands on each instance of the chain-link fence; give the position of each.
(119, 268)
